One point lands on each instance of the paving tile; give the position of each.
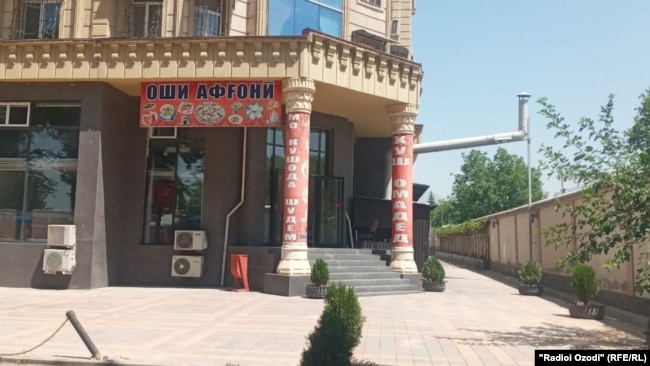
(476, 321)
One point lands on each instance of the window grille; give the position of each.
(146, 18)
(368, 42)
(39, 19)
(207, 18)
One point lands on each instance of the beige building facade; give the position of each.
(81, 147)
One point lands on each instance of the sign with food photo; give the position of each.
(211, 104)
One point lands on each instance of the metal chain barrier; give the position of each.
(38, 345)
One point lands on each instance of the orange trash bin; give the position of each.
(239, 270)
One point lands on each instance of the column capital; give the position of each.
(298, 94)
(402, 118)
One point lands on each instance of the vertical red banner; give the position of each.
(402, 190)
(296, 178)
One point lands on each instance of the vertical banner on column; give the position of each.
(296, 178)
(402, 190)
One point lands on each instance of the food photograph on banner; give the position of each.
(211, 104)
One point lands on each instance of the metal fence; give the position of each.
(421, 246)
(464, 250)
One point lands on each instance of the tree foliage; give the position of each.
(320, 273)
(530, 273)
(485, 186)
(433, 271)
(431, 200)
(339, 329)
(444, 213)
(468, 227)
(583, 283)
(613, 167)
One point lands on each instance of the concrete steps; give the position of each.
(366, 270)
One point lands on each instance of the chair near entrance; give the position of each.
(370, 240)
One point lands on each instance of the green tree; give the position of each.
(613, 168)
(444, 213)
(431, 200)
(487, 186)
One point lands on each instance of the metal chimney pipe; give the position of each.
(523, 111)
(497, 138)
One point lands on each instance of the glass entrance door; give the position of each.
(325, 216)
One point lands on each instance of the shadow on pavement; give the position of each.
(550, 336)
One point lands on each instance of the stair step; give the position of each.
(327, 257)
(372, 282)
(384, 293)
(353, 262)
(365, 270)
(339, 251)
(362, 275)
(385, 288)
(348, 269)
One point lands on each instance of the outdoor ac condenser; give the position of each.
(59, 260)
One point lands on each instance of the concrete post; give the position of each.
(298, 94)
(402, 120)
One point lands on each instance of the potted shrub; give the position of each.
(530, 275)
(319, 277)
(338, 331)
(433, 275)
(584, 285)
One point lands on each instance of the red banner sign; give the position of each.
(211, 104)
(296, 179)
(402, 200)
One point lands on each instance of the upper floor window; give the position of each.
(373, 2)
(394, 29)
(39, 19)
(146, 18)
(291, 17)
(207, 18)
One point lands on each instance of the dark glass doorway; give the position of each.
(326, 211)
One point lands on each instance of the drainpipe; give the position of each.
(237, 206)
(388, 177)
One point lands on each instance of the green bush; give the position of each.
(583, 282)
(320, 274)
(433, 270)
(468, 227)
(338, 331)
(530, 273)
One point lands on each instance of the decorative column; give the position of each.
(298, 94)
(402, 123)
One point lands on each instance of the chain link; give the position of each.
(38, 345)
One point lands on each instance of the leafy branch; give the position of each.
(613, 215)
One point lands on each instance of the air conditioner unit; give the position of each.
(190, 240)
(187, 266)
(61, 236)
(59, 260)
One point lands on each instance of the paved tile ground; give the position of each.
(476, 321)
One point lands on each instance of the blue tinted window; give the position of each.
(338, 4)
(38, 172)
(330, 22)
(306, 15)
(291, 17)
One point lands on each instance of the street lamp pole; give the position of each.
(523, 118)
